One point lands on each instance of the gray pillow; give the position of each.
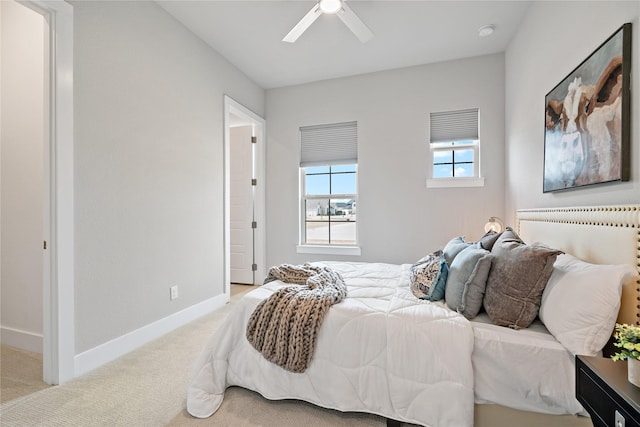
(453, 248)
(518, 276)
(488, 240)
(467, 280)
(508, 234)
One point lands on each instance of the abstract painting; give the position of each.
(587, 119)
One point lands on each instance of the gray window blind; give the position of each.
(449, 126)
(330, 144)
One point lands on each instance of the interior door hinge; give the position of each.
(45, 245)
(254, 224)
(254, 139)
(254, 267)
(254, 181)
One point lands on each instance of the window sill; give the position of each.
(328, 250)
(455, 182)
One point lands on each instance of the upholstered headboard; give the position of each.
(596, 234)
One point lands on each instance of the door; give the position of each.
(241, 204)
(237, 115)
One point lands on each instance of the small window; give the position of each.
(455, 159)
(454, 149)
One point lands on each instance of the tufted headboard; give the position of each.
(596, 234)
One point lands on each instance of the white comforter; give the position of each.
(381, 351)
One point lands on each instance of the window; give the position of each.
(454, 149)
(330, 205)
(328, 189)
(454, 159)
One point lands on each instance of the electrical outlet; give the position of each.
(173, 292)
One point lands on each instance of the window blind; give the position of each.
(330, 144)
(449, 126)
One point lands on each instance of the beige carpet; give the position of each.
(148, 387)
(20, 373)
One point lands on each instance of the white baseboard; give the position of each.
(23, 340)
(111, 350)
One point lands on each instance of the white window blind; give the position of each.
(331, 144)
(450, 126)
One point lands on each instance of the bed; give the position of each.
(381, 350)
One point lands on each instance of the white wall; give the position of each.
(553, 39)
(148, 166)
(399, 219)
(22, 133)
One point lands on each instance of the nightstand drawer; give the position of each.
(598, 401)
(602, 388)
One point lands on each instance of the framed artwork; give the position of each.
(587, 119)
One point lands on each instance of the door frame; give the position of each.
(58, 299)
(258, 123)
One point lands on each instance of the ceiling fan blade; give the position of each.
(354, 23)
(304, 23)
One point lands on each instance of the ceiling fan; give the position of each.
(339, 7)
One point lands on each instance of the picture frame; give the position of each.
(588, 119)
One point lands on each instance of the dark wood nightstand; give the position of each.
(604, 391)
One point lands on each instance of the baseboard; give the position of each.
(111, 350)
(21, 339)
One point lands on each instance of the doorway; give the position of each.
(244, 195)
(56, 236)
(22, 198)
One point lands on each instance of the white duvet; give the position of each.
(381, 350)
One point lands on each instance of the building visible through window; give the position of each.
(330, 205)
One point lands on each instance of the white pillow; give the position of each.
(581, 301)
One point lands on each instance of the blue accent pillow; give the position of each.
(467, 281)
(453, 248)
(439, 289)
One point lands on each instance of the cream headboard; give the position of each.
(596, 234)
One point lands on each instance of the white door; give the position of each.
(241, 201)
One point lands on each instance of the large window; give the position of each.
(328, 187)
(454, 149)
(330, 205)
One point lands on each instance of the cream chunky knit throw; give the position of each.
(284, 326)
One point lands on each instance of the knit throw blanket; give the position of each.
(284, 326)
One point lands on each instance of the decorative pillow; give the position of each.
(508, 234)
(488, 240)
(453, 248)
(581, 301)
(467, 280)
(429, 277)
(518, 276)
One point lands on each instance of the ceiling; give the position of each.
(406, 33)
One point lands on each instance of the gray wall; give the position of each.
(148, 166)
(536, 60)
(400, 220)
